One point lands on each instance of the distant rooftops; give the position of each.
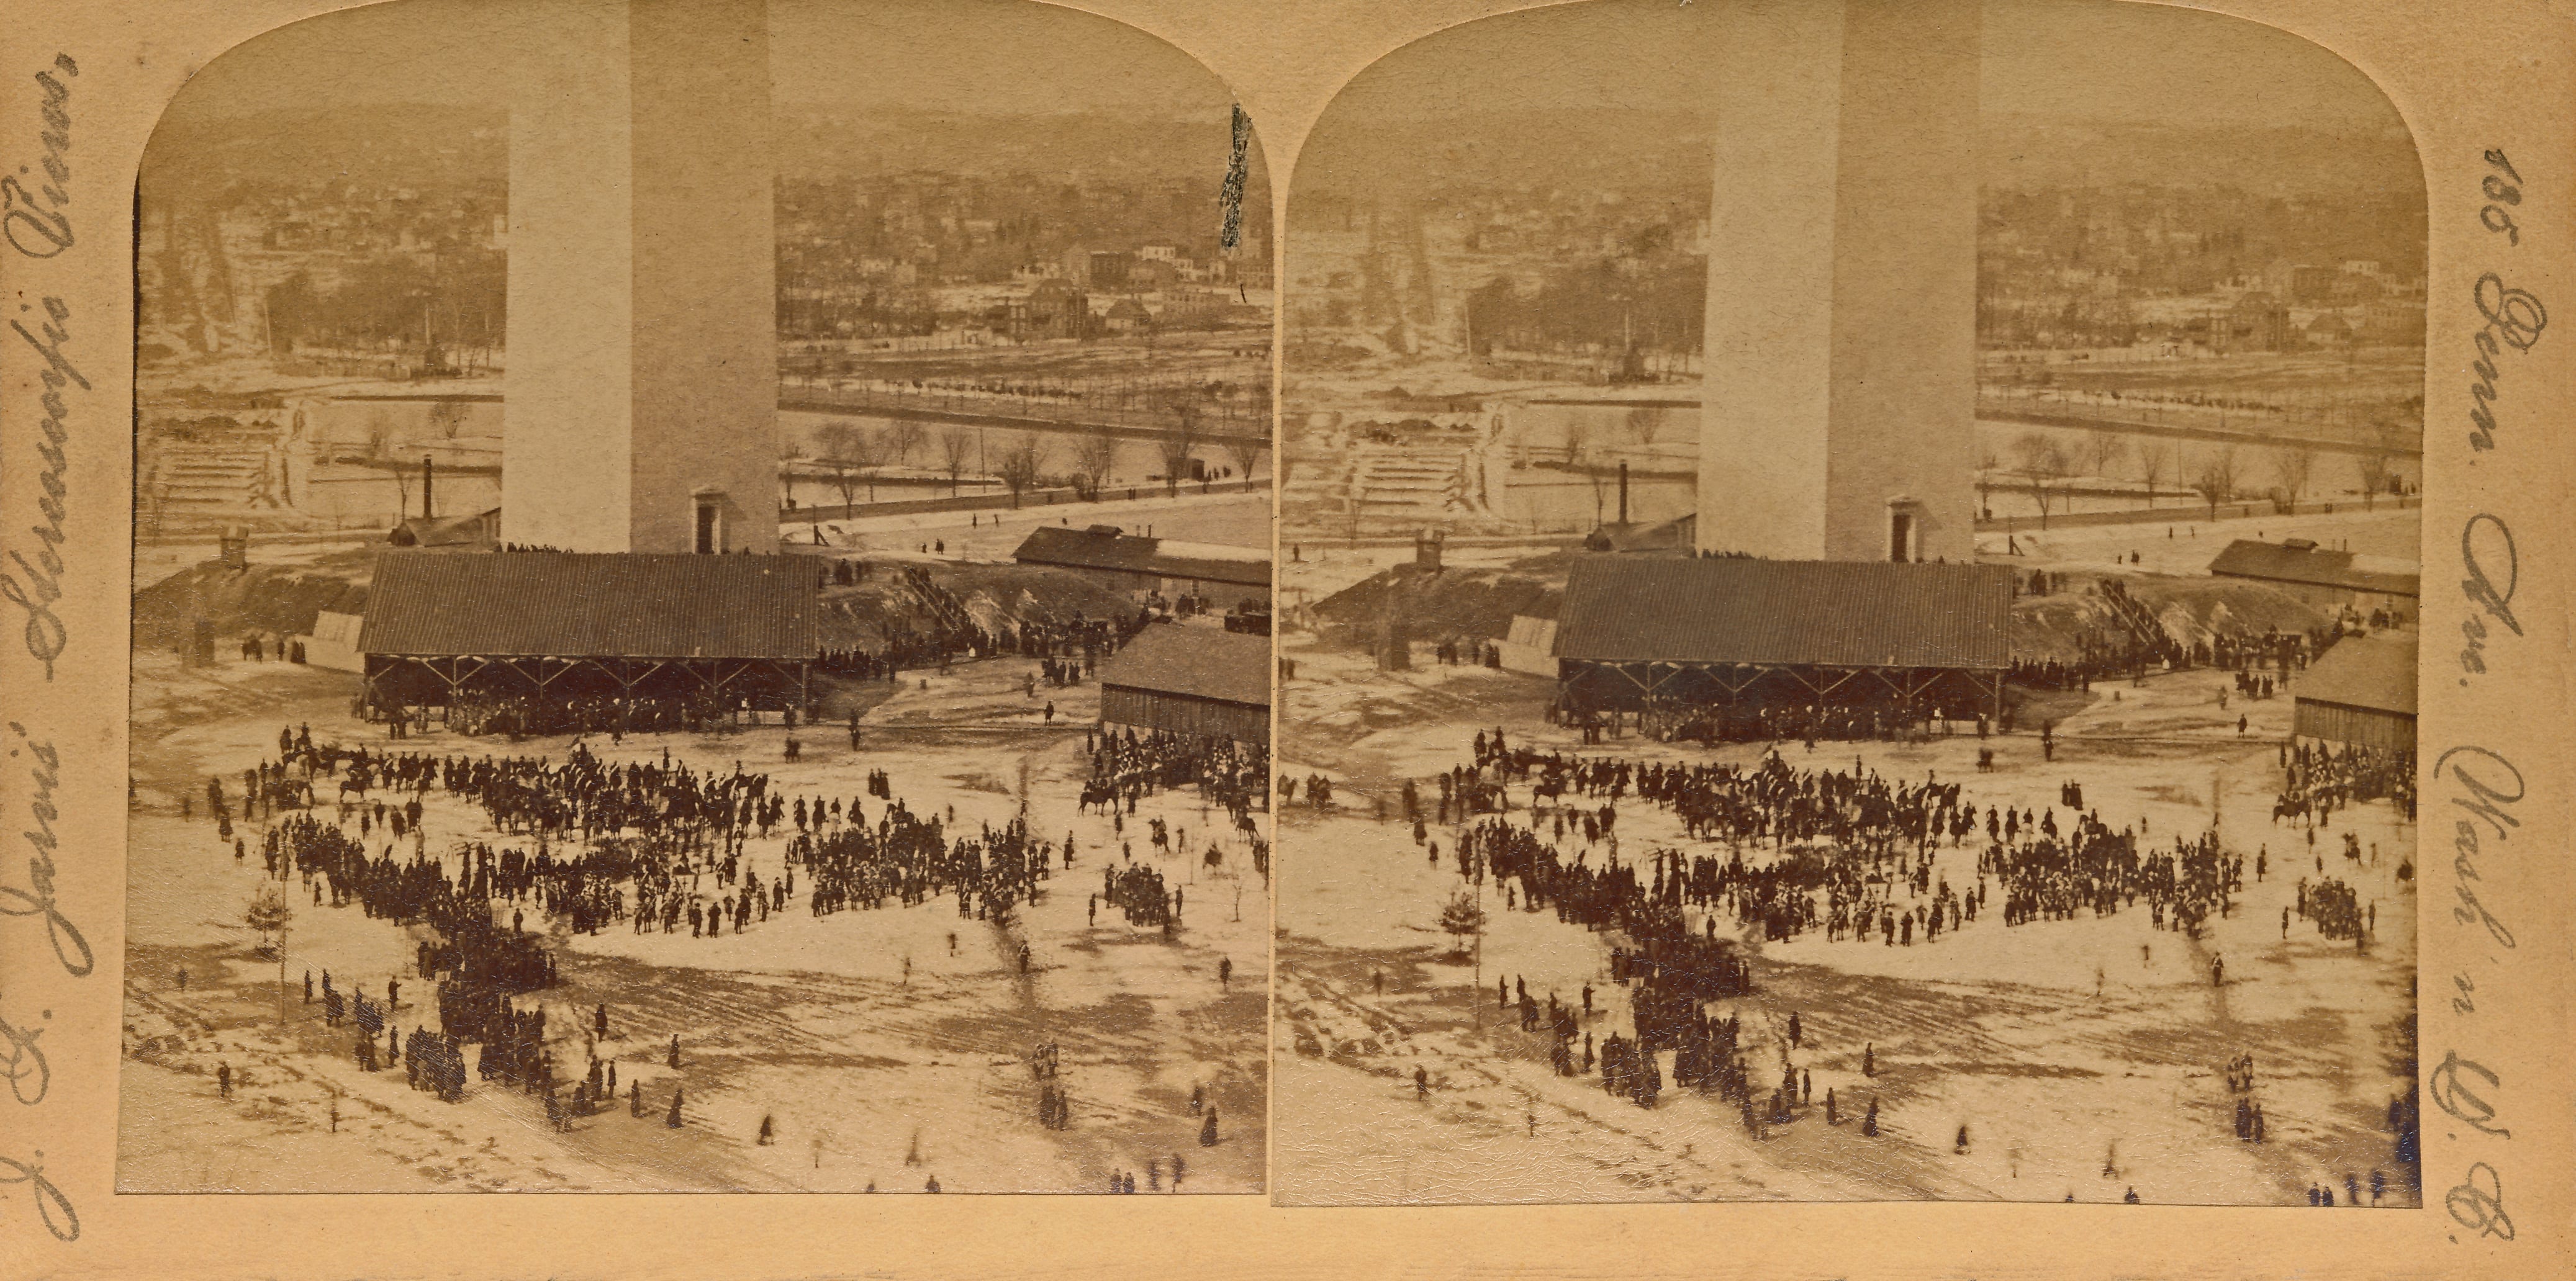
(2302, 561)
(1106, 547)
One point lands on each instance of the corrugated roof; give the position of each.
(1801, 612)
(2375, 672)
(1101, 547)
(572, 604)
(1201, 662)
(2318, 567)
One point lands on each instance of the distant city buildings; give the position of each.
(399, 261)
(1502, 268)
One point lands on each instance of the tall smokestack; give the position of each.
(1623, 491)
(428, 477)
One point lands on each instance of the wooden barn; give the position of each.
(2362, 692)
(441, 628)
(2324, 577)
(1182, 679)
(1736, 630)
(1226, 578)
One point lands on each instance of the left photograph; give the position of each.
(702, 596)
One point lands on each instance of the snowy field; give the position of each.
(2187, 543)
(2084, 1057)
(886, 1047)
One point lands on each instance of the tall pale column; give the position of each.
(642, 386)
(1839, 389)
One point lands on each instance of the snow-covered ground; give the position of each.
(2084, 1057)
(2187, 543)
(885, 1046)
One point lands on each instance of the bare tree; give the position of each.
(1178, 443)
(2378, 464)
(1644, 422)
(956, 445)
(873, 450)
(1245, 453)
(2371, 469)
(2215, 482)
(2102, 450)
(834, 439)
(1578, 436)
(1020, 465)
(1094, 455)
(2293, 466)
(788, 456)
(902, 437)
(2151, 469)
(853, 453)
(2043, 463)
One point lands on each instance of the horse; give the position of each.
(1100, 792)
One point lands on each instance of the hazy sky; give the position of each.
(992, 56)
(2073, 59)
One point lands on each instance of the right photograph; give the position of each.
(1847, 588)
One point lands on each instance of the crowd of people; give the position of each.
(2337, 910)
(909, 859)
(1126, 767)
(1138, 890)
(579, 842)
(2320, 778)
(1847, 851)
(658, 843)
(483, 712)
(1768, 721)
(2094, 869)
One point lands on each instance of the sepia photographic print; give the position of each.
(701, 613)
(1906, 639)
(1850, 598)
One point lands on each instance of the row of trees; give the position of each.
(2049, 465)
(1638, 306)
(455, 304)
(856, 455)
